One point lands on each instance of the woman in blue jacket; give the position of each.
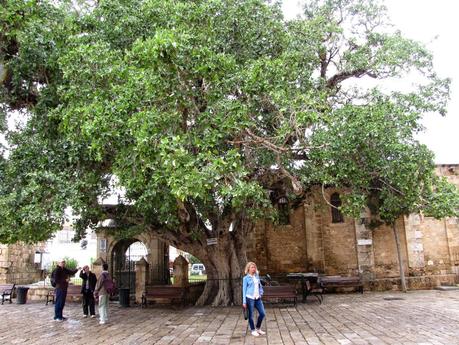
(252, 291)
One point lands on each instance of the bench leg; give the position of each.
(318, 298)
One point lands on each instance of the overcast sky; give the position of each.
(436, 24)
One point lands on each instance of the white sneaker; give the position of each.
(260, 332)
(255, 334)
(93, 316)
(84, 315)
(101, 322)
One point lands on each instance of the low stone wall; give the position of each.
(194, 291)
(413, 283)
(39, 293)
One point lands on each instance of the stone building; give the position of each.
(317, 238)
(17, 263)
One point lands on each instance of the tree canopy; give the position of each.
(204, 112)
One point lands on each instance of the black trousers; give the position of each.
(88, 302)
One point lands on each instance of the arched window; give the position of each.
(283, 210)
(337, 216)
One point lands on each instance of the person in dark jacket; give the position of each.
(62, 278)
(87, 289)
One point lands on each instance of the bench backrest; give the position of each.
(341, 282)
(286, 289)
(74, 289)
(337, 280)
(164, 290)
(6, 287)
(71, 290)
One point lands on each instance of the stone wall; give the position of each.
(385, 250)
(339, 241)
(289, 239)
(17, 264)
(311, 242)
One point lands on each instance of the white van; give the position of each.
(198, 269)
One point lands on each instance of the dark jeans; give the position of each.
(61, 294)
(258, 305)
(88, 303)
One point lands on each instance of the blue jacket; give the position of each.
(248, 287)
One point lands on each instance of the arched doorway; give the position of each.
(125, 254)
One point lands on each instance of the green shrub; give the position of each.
(70, 263)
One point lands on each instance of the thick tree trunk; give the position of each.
(400, 262)
(224, 262)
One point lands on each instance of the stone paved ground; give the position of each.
(422, 317)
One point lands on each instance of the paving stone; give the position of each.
(421, 317)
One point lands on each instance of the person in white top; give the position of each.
(252, 291)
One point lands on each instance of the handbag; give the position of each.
(245, 312)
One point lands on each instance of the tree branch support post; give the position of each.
(400, 262)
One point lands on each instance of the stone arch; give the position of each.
(157, 255)
(122, 262)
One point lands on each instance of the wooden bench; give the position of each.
(72, 291)
(329, 282)
(172, 293)
(7, 291)
(279, 293)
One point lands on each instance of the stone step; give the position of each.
(447, 287)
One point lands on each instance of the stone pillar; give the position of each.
(96, 266)
(415, 250)
(158, 260)
(314, 239)
(141, 269)
(365, 250)
(181, 271)
(452, 233)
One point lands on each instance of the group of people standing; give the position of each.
(91, 288)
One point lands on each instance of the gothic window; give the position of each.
(283, 210)
(337, 216)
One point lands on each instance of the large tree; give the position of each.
(205, 113)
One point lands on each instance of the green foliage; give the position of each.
(200, 110)
(193, 260)
(70, 263)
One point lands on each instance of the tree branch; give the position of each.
(340, 77)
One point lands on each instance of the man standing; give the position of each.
(103, 294)
(87, 289)
(62, 278)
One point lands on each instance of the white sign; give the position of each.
(417, 247)
(37, 258)
(212, 241)
(368, 242)
(103, 244)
